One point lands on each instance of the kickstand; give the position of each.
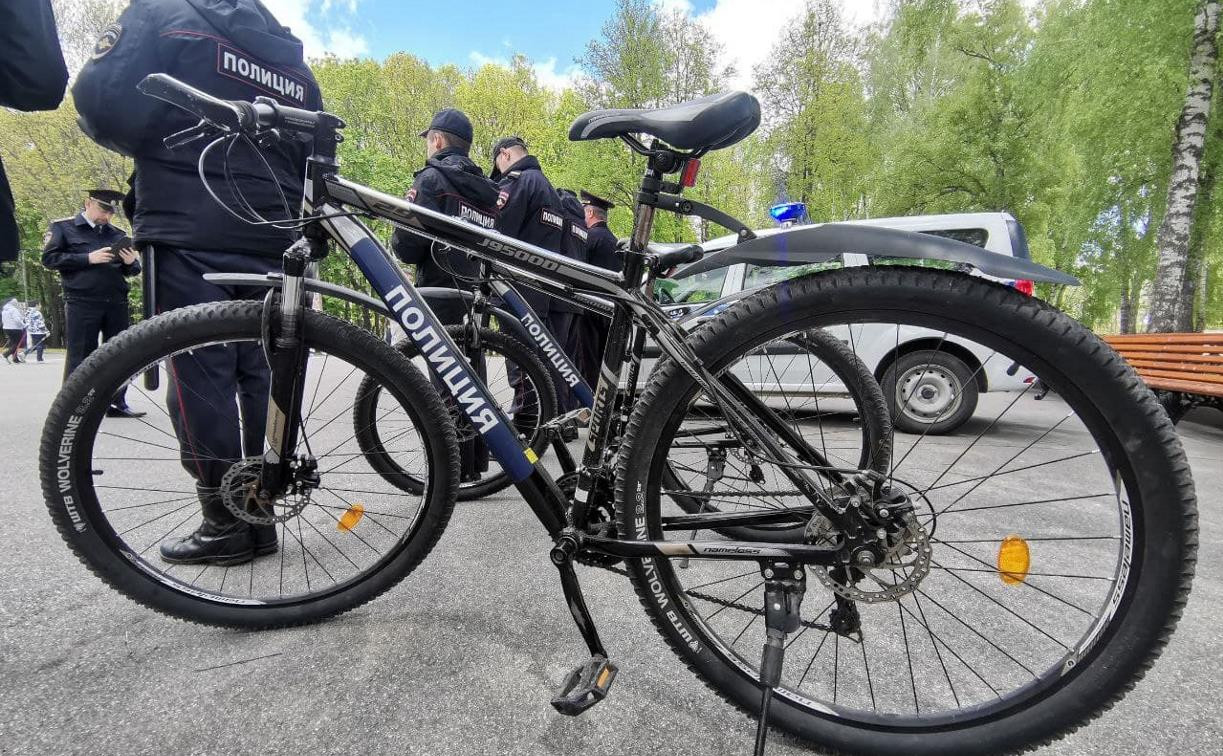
(784, 586)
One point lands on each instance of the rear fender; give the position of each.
(804, 245)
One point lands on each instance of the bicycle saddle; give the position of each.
(706, 123)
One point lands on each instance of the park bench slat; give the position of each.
(1215, 339)
(1172, 357)
(1170, 348)
(1188, 387)
(1181, 367)
(1177, 375)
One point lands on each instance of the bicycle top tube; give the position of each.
(482, 243)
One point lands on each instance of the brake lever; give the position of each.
(180, 139)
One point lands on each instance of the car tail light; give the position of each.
(691, 168)
(1024, 286)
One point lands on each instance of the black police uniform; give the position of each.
(529, 210)
(449, 183)
(602, 250)
(233, 49)
(95, 293)
(32, 77)
(569, 318)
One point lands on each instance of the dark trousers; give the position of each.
(565, 327)
(38, 342)
(216, 396)
(592, 344)
(13, 345)
(87, 320)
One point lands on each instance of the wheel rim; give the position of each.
(354, 526)
(713, 595)
(929, 393)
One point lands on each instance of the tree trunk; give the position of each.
(1203, 296)
(1172, 241)
(1126, 310)
(1200, 234)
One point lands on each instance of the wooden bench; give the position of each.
(1185, 370)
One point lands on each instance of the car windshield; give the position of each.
(702, 287)
(767, 275)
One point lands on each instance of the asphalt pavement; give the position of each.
(461, 658)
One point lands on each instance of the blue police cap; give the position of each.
(451, 121)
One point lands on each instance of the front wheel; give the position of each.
(120, 488)
(1015, 583)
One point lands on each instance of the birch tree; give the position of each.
(1173, 238)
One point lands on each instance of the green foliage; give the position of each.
(1062, 116)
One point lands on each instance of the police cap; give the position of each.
(599, 202)
(504, 143)
(109, 199)
(451, 121)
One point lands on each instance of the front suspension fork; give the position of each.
(285, 349)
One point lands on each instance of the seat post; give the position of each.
(643, 222)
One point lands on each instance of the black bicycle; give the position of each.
(984, 596)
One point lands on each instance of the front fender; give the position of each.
(804, 245)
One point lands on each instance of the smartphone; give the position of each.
(123, 244)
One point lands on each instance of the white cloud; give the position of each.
(748, 29)
(338, 39)
(545, 72)
(674, 5)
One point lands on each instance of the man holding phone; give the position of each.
(94, 260)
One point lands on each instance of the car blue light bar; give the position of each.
(788, 212)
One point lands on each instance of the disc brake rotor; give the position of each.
(239, 488)
(906, 563)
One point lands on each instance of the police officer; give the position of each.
(601, 250)
(94, 260)
(449, 183)
(529, 210)
(32, 77)
(236, 50)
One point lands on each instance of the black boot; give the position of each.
(264, 537)
(220, 539)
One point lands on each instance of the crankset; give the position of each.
(600, 518)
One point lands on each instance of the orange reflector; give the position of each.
(602, 681)
(349, 519)
(1013, 560)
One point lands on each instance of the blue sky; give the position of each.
(552, 33)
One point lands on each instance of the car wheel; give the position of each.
(930, 392)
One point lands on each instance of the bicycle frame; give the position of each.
(323, 196)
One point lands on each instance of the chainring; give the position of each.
(600, 521)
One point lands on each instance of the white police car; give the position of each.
(935, 380)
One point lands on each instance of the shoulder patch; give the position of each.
(107, 40)
(411, 195)
(502, 197)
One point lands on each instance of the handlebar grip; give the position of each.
(664, 261)
(221, 113)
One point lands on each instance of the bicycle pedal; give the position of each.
(586, 686)
(569, 431)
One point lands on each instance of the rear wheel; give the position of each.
(529, 400)
(1026, 577)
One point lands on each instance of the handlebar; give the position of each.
(215, 114)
